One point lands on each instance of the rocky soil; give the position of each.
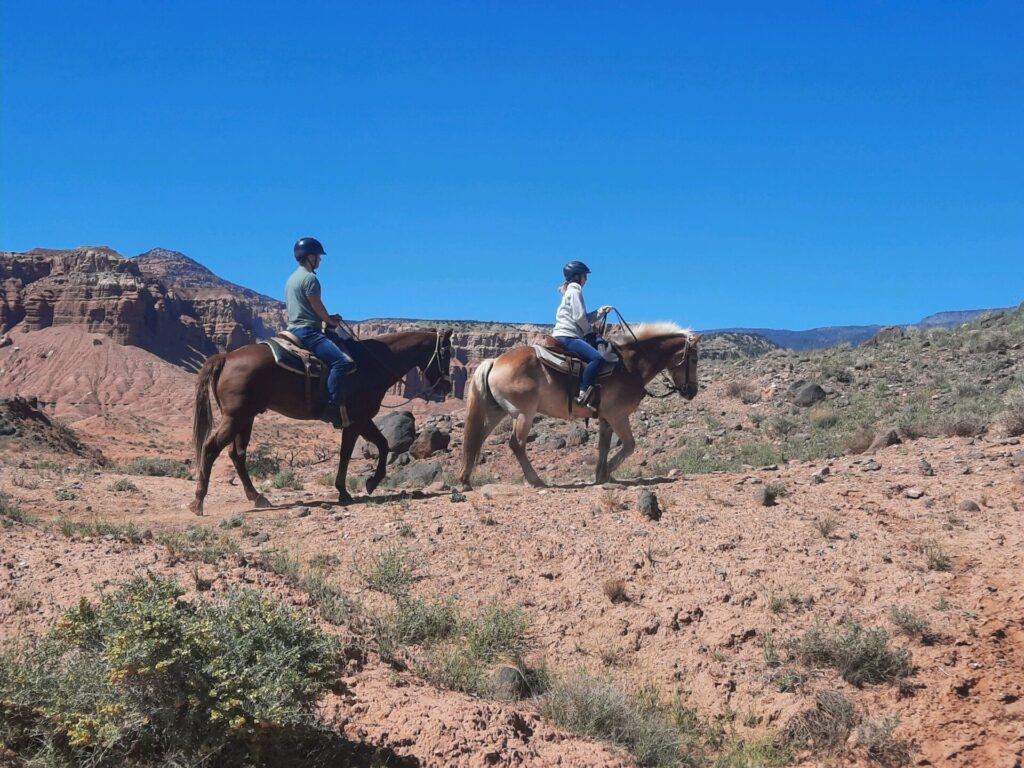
(796, 492)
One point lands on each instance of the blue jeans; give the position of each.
(328, 348)
(588, 353)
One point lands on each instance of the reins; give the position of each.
(666, 379)
(398, 377)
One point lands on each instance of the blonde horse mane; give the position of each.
(645, 331)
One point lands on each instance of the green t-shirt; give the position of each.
(300, 286)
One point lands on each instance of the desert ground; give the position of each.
(882, 519)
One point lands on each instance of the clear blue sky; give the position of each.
(721, 164)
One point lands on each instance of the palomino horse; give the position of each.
(247, 381)
(518, 384)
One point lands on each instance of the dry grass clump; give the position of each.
(148, 466)
(935, 556)
(743, 390)
(10, 512)
(861, 655)
(826, 526)
(859, 441)
(1013, 417)
(391, 572)
(910, 623)
(822, 417)
(826, 726)
(615, 590)
(600, 709)
(877, 740)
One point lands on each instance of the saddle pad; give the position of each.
(557, 362)
(287, 356)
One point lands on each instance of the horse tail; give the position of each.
(202, 420)
(480, 405)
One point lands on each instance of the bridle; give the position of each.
(444, 376)
(671, 388)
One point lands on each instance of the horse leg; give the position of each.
(620, 425)
(604, 444)
(214, 444)
(473, 440)
(237, 452)
(517, 442)
(375, 436)
(348, 442)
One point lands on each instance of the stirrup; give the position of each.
(336, 416)
(584, 398)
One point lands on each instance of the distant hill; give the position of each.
(830, 336)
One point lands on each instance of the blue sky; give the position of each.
(720, 164)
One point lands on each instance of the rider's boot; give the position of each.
(586, 397)
(336, 415)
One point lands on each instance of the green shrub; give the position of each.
(861, 655)
(124, 485)
(391, 572)
(286, 479)
(98, 528)
(910, 623)
(145, 678)
(198, 543)
(145, 465)
(235, 521)
(260, 462)
(65, 494)
(10, 512)
(877, 740)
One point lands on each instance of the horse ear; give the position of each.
(447, 335)
(695, 339)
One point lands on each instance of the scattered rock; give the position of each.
(262, 537)
(926, 468)
(969, 506)
(884, 440)
(399, 427)
(913, 493)
(578, 435)
(765, 496)
(871, 466)
(648, 505)
(418, 474)
(806, 394)
(428, 442)
(509, 684)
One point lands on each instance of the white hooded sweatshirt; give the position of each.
(572, 319)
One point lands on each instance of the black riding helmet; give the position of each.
(308, 246)
(575, 269)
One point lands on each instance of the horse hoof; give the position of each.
(344, 499)
(466, 487)
(371, 484)
(262, 502)
(196, 508)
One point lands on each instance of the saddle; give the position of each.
(556, 357)
(290, 354)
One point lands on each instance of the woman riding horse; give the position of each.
(520, 385)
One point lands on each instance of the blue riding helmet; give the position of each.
(308, 246)
(575, 269)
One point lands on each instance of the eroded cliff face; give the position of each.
(188, 314)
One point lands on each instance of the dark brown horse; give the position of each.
(247, 382)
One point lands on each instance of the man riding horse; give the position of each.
(306, 313)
